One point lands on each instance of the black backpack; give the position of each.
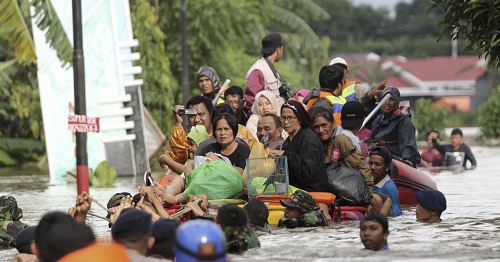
(320, 102)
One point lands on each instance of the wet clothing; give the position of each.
(305, 161)
(443, 149)
(431, 158)
(398, 134)
(386, 247)
(261, 77)
(238, 158)
(9, 231)
(240, 239)
(340, 145)
(260, 230)
(386, 186)
(314, 218)
(10, 225)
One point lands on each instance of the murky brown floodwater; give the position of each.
(470, 229)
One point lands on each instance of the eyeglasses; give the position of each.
(235, 102)
(289, 118)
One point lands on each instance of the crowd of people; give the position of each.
(314, 129)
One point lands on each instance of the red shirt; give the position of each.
(433, 158)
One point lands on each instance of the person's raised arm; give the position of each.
(166, 161)
(470, 156)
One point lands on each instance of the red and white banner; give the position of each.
(83, 124)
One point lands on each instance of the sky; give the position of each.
(389, 4)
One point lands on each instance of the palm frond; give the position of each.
(15, 29)
(307, 7)
(47, 20)
(295, 22)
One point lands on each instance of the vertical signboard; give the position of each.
(105, 22)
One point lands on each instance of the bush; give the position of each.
(488, 117)
(428, 116)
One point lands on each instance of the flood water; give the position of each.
(470, 229)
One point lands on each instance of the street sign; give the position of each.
(83, 124)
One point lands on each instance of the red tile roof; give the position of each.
(441, 68)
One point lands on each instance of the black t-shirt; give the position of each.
(238, 157)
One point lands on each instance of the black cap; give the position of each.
(383, 152)
(352, 115)
(163, 230)
(132, 222)
(270, 43)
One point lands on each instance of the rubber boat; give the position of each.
(410, 180)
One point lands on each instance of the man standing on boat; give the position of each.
(262, 75)
(380, 164)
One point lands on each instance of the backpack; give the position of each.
(320, 101)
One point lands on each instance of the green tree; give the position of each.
(428, 116)
(477, 21)
(219, 35)
(20, 113)
(232, 46)
(488, 117)
(304, 49)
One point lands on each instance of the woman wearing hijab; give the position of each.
(395, 130)
(265, 103)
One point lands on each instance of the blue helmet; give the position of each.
(200, 240)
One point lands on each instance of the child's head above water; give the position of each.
(197, 135)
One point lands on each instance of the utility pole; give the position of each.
(82, 170)
(185, 74)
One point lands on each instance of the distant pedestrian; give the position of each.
(457, 152)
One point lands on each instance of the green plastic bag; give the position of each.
(216, 179)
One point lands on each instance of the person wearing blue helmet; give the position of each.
(200, 240)
(395, 130)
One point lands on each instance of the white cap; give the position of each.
(338, 60)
